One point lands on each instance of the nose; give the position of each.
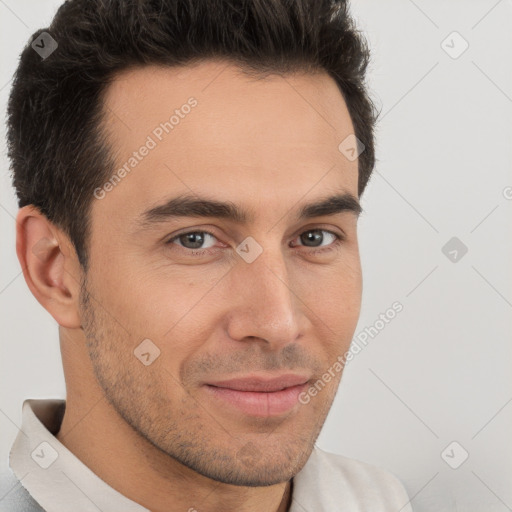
(264, 305)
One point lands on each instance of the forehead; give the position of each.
(211, 128)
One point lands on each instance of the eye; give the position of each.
(313, 236)
(193, 241)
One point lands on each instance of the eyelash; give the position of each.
(202, 252)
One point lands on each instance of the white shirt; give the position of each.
(50, 478)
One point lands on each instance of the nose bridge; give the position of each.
(267, 307)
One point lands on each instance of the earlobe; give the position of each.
(48, 265)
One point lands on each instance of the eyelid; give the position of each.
(340, 237)
(192, 230)
(302, 229)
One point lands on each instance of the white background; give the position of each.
(440, 371)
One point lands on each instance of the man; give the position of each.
(189, 176)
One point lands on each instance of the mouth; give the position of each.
(259, 397)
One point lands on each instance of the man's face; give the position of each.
(269, 147)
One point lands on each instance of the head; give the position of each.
(189, 211)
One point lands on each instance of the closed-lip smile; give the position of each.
(255, 395)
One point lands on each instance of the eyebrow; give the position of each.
(192, 206)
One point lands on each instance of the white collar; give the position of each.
(52, 474)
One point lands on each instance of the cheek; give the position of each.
(337, 304)
(334, 293)
(146, 301)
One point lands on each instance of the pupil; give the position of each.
(312, 236)
(197, 244)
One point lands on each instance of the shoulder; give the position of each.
(344, 482)
(13, 496)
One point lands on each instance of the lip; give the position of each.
(260, 384)
(259, 397)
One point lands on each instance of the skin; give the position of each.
(152, 432)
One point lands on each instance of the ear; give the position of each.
(50, 265)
